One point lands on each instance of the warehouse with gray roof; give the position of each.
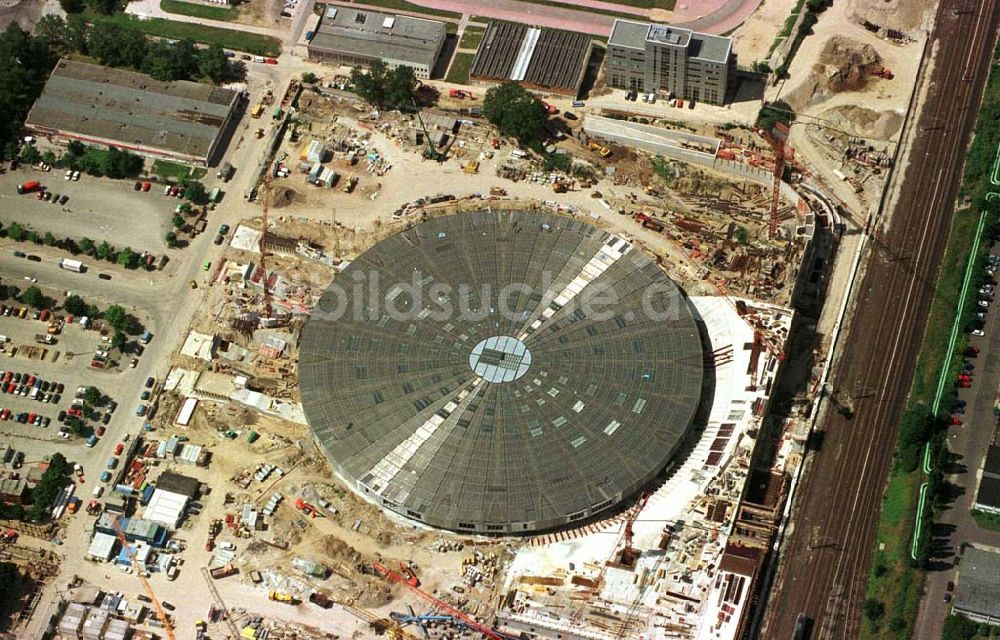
(108, 107)
(977, 595)
(549, 60)
(473, 386)
(356, 37)
(650, 58)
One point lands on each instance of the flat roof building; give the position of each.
(107, 107)
(359, 37)
(651, 58)
(977, 594)
(543, 59)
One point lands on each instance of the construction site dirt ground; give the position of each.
(753, 39)
(830, 78)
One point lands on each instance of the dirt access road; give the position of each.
(828, 553)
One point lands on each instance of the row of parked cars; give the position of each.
(28, 385)
(25, 417)
(24, 312)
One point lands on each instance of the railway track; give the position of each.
(828, 552)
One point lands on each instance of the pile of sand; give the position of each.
(866, 123)
(848, 64)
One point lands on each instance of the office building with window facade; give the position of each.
(660, 58)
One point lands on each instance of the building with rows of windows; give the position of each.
(658, 58)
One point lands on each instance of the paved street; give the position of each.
(968, 443)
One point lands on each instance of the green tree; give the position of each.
(76, 33)
(128, 258)
(177, 221)
(49, 239)
(87, 246)
(121, 320)
(773, 113)
(213, 64)
(30, 154)
(75, 305)
(309, 77)
(104, 7)
(515, 112)
(370, 84)
(194, 191)
(873, 609)
(16, 232)
(104, 251)
(958, 627)
(34, 237)
(92, 396)
(25, 63)
(401, 87)
(166, 61)
(76, 148)
(52, 28)
(119, 340)
(33, 297)
(171, 239)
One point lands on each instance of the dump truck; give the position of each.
(257, 110)
(224, 571)
(498, 191)
(350, 183)
(44, 338)
(280, 596)
(559, 186)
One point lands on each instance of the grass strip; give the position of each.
(221, 14)
(171, 29)
(459, 71)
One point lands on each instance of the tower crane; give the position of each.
(265, 202)
(441, 605)
(161, 615)
(776, 139)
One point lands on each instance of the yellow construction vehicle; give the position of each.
(470, 167)
(279, 596)
(601, 150)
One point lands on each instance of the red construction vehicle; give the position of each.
(9, 536)
(411, 578)
(550, 109)
(459, 94)
(439, 604)
(882, 72)
(306, 507)
(496, 143)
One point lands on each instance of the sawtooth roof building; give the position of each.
(522, 409)
(549, 60)
(108, 107)
(357, 37)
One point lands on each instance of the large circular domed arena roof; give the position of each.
(501, 372)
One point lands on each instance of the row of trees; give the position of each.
(118, 45)
(126, 257)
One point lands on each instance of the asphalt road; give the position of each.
(829, 549)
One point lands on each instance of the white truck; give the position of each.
(71, 265)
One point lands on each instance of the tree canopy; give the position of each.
(25, 63)
(383, 87)
(515, 112)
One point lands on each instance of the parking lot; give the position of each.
(63, 367)
(98, 208)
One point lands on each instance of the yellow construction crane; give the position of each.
(161, 615)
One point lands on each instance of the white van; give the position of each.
(98, 490)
